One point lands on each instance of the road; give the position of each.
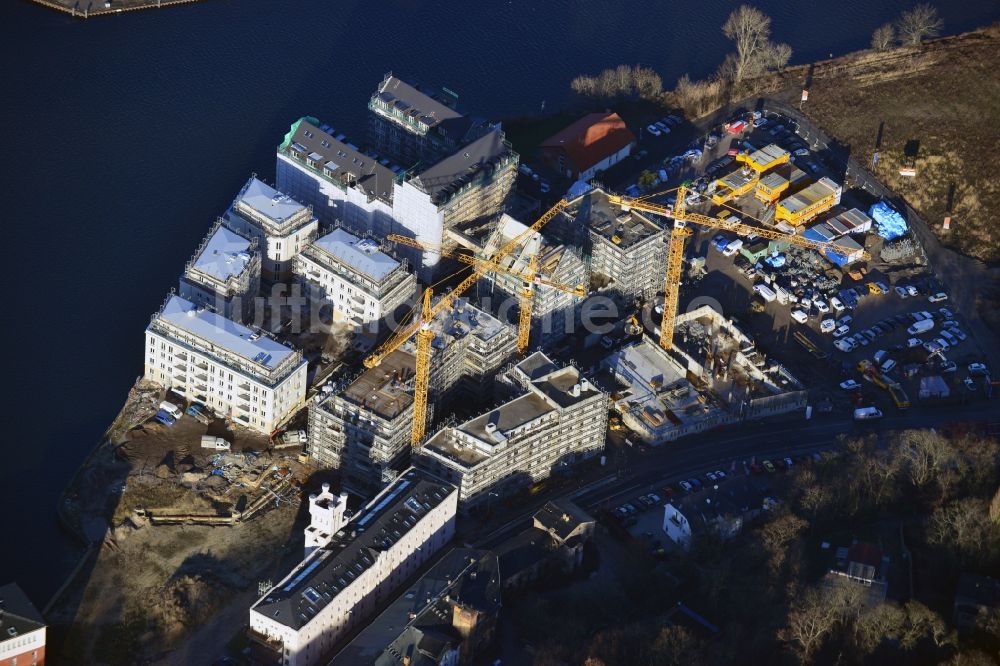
(718, 450)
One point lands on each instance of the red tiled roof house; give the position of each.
(591, 144)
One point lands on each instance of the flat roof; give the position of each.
(362, 254)
(772, 180)
(764, 157)
(338, 161)
(268, 201)
(315, 581)
(466, 576)
(387, 388)
(594, 211)
(821, 189)
(225, 255)
(225, 333)
(453, 172)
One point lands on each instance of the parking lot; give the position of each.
(829, 324)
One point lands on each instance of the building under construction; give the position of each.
(364, 429)
(470, 346)
(713, 376)
(625, 250)
(554, 311)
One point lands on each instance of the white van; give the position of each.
(172, 409)
(765, 292)
(799, 316)
(734, 247)
(867, 413)
(217, 443)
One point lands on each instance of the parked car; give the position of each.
(948, 366)
(958, 333)
(977, 369)
(841, 331)
(837, 304)
(827, 326)
(799, 316)
(912, 291)
(845, 345)
(821, 306)
(845, 320)
(686, 487)
(969, 383)
(164, 417)
(850, 385)
(913, 342)
(901, 292)
(938, 297)
(720, 475)
(768, 466)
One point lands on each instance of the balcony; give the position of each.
(201, 365)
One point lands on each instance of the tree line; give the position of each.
(744, 72)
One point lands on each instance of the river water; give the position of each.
(125, 136)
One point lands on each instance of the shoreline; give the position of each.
(90, 11)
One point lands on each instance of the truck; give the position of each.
(291, 438)
(765, 292)
(921, 327)
(217, 443)
(867, 413)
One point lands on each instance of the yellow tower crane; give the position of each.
(529, 278)
(679, 234)
(421, 326)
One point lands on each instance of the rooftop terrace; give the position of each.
(362, 255)
(224, 256)
(217, 331)
(269, 202)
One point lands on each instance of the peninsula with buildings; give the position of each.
(409, 393)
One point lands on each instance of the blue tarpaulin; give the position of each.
(889, 224)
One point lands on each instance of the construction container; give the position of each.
(798, 208)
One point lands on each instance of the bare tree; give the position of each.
(648, 84)
(964, 528)
(995, 507)
(777, 56)
(777, 535)
(918, 24)
(813, 616)
(883, 37)
(750, 29)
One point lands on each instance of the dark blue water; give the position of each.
(124, 136)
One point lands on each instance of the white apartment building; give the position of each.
(239, 373)
(224, 274)
(554, 311)
(281, 224)
(369, 195)
(354, 278)
(559, 421)
(339, 586)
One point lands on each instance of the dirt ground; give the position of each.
(939, 103)
(151, 587)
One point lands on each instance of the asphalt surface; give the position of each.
(719, 449)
